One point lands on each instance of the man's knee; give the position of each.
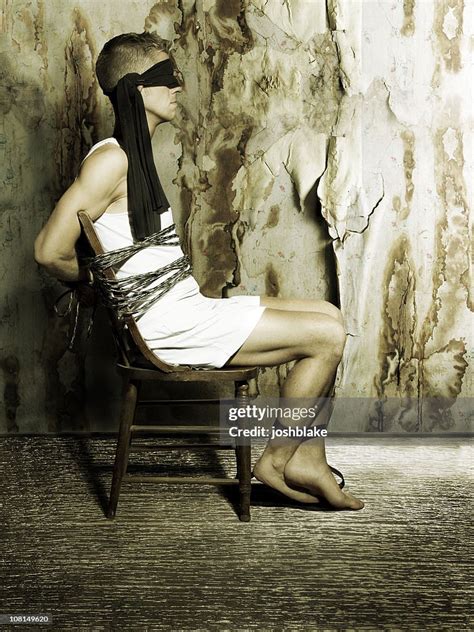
(339, 341)
(328, 336)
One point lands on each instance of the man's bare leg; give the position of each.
(316, 341)
(308, 465)
(303, 305)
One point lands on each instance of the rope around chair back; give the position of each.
(124, 296)
(133, 295)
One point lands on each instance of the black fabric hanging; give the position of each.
(146, 198)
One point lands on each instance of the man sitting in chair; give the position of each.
(119, 188)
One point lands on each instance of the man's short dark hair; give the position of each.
(129, 52)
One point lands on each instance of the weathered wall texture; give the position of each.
(321, 149)
(396, 196)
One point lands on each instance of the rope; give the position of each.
(131, 296)
(134, 295)
(73, 305)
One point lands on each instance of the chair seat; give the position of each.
(146, 371)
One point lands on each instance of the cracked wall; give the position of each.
(321, 150)
(397, 196)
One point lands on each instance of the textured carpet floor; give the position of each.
(177, 558)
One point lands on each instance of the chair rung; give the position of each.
(178, 446)
(198, 480)
(177, 429)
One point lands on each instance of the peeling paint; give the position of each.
(273, 217)
(78, 119)
(408, 164)
(448, 29)
(41, 39)
(408, 27)
(446, 370)
(412, 363)
(228, 9)
(396, 347)
(221, 195)
(161, 17)
(451, 289)
(272, 285)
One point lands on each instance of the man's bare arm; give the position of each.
(99, 182)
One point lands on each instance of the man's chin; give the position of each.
(169, 117)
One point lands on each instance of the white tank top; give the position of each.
(113, 230)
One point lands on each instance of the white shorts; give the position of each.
(201, 331)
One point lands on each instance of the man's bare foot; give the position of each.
(269, 469)
(304, 470)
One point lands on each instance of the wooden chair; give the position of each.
(137, 364)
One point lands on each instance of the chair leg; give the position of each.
(244, 458)
(129, 403)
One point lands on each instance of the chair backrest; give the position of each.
(128, 338)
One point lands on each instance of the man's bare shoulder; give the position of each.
(102, 181)
(106, 166)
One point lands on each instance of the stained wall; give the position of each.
(321, 150)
